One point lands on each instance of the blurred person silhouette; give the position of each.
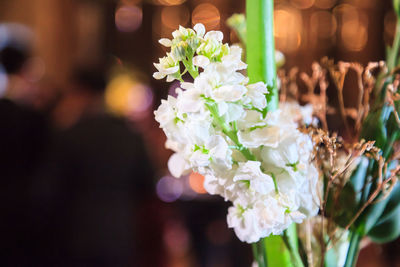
(22, 141)
(93, 190)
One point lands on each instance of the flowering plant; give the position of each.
(274, 164)
(220, 127)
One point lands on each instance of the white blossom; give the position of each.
(219, 126)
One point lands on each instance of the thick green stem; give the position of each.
(260, 46)
(291, 241)
(260, 54)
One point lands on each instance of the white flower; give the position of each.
(234, 58)
(182, 32)
(178, 166)
(189, 100)
(229, 93)
(212, 46)
(267, 132)
(201, 61)
(250, 172)
(245, 222)
(230, 112)
(298, 113)
(292, 153)
(219, 121)
(167, 66)
(256, 95)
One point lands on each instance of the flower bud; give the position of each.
(179, 50)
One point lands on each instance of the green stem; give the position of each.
(260, 55)
(291, 242)
(352, 252)
(260, 46)
(260, 254)
(189, 67)
(226, 129)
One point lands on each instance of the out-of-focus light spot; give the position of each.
(170, 2)
(169, 189)
(302, 4)
(287, 26)
(15, 33)
(354, 25)
(207, 14)
(218, 233)
(125, 96)
(3, 81)
(128, 18)
(354, 35)
(173, 16)
(176, 238)
(196, 182)
(325, 4)
(323, 24)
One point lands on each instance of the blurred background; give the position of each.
(83, 165)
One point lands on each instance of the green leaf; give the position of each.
(343, 210)
(358, 176)
(387, 230)
(393, 203)
(374, 129)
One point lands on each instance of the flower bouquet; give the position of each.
(302, 196)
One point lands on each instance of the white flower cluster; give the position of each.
(220, 126)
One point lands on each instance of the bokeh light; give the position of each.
(354, 27)
(354, 36)
(173, 16)
(128, 97)
(207, 14)
(196, 182)
(169, 189)
(170, 2)
(176, 238)
(287, 26)
(3, 81)
(128, 18)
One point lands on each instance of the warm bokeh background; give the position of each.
(123, 35)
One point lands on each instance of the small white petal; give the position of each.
(201, 61)
(216, 35)
(200, 29)
(187, 85)
(170, 78)
(165, 42)
(230, 92)
(158, 75)
(177, 165)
